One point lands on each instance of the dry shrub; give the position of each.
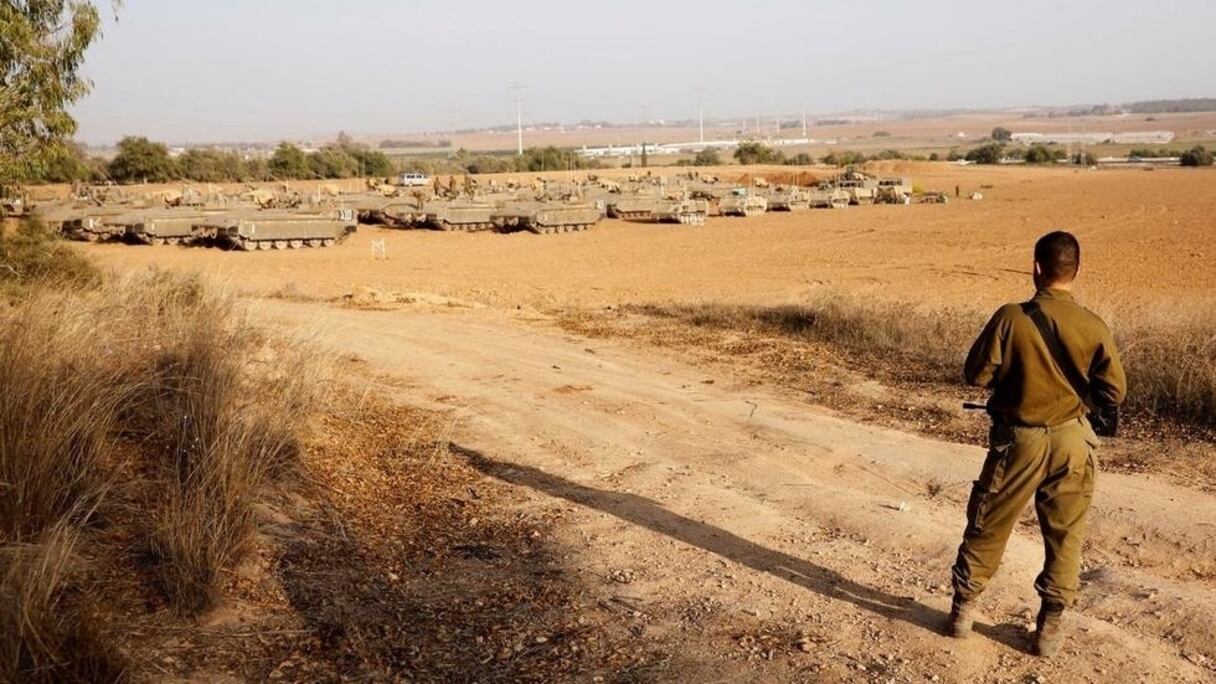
(1170, 358)
(225, 411)
(1171, 367)
(933, 340)
(58, 399)
(33, 255)
(44, 634)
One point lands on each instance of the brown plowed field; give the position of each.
(1148, 236)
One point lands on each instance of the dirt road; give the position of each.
(737, 516)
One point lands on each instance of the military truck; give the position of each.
(262, 230)
(893, 191)
(742, 202)
(546, 217)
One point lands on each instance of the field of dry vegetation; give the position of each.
(176, 480)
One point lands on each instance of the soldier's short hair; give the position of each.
(1058, 255)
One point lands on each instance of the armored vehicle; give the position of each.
(690, 212)
(633, 207)
(893, 191)
(459, 215)
(261, 230)
(741, 202)
(90, 224)
(789, 198)
(161, 226)
(546, 217)
(825, 196)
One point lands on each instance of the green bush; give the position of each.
(845, 158)
(992, 153)
(801, 159)
(141, 160)
(1001, 134)
(1041, 154)
(758, 153)
(1196, 156)
(289, 161)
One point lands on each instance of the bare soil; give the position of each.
(755, 537)
(1147, 242)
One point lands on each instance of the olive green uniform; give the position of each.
(1040, 445)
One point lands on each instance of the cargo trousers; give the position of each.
(1054, 465)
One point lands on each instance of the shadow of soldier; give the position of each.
(649, 514)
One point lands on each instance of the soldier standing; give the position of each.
(1055, 378)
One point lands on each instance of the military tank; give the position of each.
(161, 226)
(459, 215)
(893, 191)
(827, 196)
(789, 198)
(263, 230)
(546, 217)
(633, 207)
(742, 202)
(89, 224)
(689, 212)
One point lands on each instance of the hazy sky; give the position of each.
(194, 70)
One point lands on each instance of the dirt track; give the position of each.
(763, 513)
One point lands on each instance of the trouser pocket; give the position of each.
(992, 475)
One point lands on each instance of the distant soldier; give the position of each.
(958, 191)
(1049, 362)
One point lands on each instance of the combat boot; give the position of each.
(962, 615)
(1049, 632)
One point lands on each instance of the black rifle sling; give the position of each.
(1058, 355)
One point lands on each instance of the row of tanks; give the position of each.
(191, 217)
(543, 207)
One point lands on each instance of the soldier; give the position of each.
(1047, 362)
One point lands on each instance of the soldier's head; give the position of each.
(1057, 258)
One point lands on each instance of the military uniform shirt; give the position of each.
(1011, 358)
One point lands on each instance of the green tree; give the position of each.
(1002, 134)
(758, 153)
(992, 153)
(332, 161)
(289, 161)
(1196, 156)
(1039, 154)
(801, 159)
(42, 46)
(1085, 159)
(933, 156)
(707, 157)
(141, 160)
(372, 162)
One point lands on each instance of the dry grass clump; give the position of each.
(935, 341)
(1170, 360)
(166, 370)
(1171, 367)
(44, 635)
(225, 422)
(32, 255)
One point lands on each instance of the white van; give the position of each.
(413, 180)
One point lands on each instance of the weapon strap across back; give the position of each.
(1058, 355)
